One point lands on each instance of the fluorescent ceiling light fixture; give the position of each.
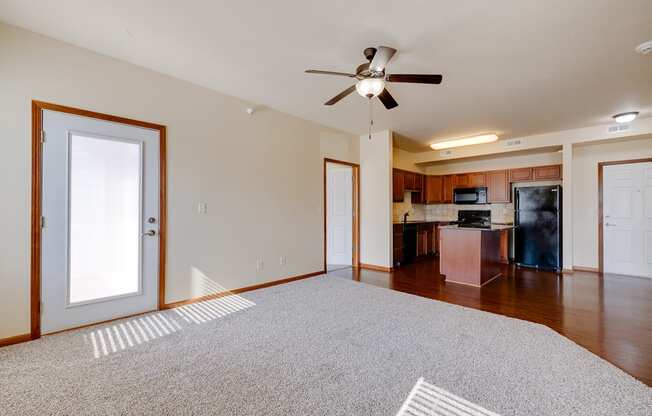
(626, 117)
(370, 87)
(485, 138)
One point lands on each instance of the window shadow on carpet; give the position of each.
(125, 334)
(426, 399)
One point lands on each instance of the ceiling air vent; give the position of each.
(513, 143)
(617, 128)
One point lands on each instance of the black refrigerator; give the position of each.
(538, 239)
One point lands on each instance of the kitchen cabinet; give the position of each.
(409, 180)
(398, 243)
(504, 246)
(418, 197)
(434, 189)
(447, 189)
(547, 173)
(520, 175)
(422, 242)
(418, 182)
(477, 179)
(398, 185)
(499, 187)
(461, 181)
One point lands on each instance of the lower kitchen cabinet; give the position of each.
(398, 243)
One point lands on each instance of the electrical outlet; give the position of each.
(282, 261)
(259, 265)
(202, 208)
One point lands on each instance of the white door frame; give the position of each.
(36, 209)
(601, 166)
(355, 261)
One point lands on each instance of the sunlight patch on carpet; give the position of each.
(426, 399)
(146, 328)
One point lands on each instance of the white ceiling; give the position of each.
(514, 67)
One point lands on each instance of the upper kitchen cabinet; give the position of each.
(477, 179)
(521, 175)
(499, 186)
(434, 189)
(447, 189)
(547, 173)
(461, 180)
(398, 185)
(418, 182)
(409, 179)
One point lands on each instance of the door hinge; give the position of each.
(42, 222)
(42, 136)
(41, 308)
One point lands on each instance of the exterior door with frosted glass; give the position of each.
(100, 209)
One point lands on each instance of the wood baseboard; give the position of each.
(376, 268)
(586, 269)
(15, 340)
(240, 290)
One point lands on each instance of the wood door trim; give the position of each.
(355, 261)
(36, 208)
(601, 166)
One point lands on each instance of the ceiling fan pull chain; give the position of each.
(371, 119)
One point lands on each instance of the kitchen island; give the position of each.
(470, 255)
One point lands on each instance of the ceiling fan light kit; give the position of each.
(370, 87)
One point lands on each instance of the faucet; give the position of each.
(405, 217)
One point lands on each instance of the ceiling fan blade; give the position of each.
(386, 98)
(414, 78)
(340, 95)
(382, 56)
(342, 74)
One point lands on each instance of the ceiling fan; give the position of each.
(371, 77)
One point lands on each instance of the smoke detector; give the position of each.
(645, 48)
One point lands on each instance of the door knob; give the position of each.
(150, 233)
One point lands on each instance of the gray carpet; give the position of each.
(321, 346)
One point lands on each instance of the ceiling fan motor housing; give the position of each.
(369, 53)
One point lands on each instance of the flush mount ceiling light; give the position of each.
(625, 117)
(370, 87)
(644, 48)
(485, 138)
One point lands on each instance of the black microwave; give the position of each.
(470, 195)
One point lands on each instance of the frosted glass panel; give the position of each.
(104, 218)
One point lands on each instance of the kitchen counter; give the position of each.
(494, 227)
(424, 221)
(469, 256)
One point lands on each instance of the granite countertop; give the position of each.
(424, 221)
(494, 227)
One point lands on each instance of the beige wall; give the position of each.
(376, 199)
(261, 175)
(495, 163)
(585, 189)
(405, 160)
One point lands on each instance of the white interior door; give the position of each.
(627, 222)
(339, 218)
(100, 246)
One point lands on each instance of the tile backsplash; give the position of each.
(500, 213)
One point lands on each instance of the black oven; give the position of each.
(470, 195)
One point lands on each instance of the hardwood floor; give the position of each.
(609, 315)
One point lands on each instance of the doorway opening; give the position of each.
(625, 217)
(341, 215)
(98, 218)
